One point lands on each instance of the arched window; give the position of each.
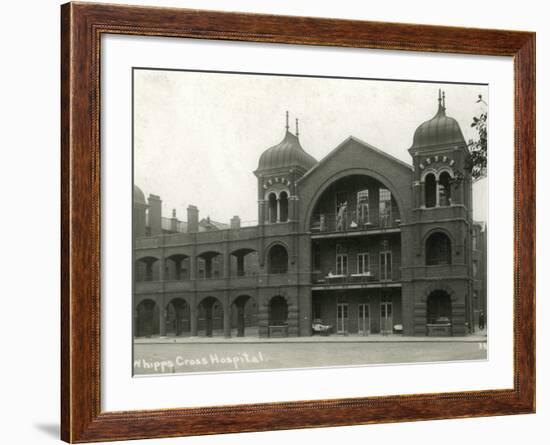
(429, 190)
(438, 249)
(278, 260)
(272, 208)
(283, 203)
(444, 189)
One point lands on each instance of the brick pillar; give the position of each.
(194, 314)
(263, 319)
(240, 320)
(162, 315)
(193, 267)
(261, 212)
(226, 261)
(306, 315)
(226, 317)
(162, 311)
(458, 319)
(155, 215)
(162, 266)
(420, 318)
(293, 320)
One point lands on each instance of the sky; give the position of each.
(198, 136)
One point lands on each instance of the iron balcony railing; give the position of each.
(329, 278)
(351, 220)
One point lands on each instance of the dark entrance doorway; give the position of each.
(147, 319)
(278, 317)
(278, 311)
(439, 313)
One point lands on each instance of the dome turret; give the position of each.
(440, 130)
(139, 196)
(286, 154)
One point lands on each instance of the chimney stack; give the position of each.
(155, 214)
(174, 221)
(192, 219)
(235, 223)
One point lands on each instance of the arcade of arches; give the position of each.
(209, 319)
(209, 265)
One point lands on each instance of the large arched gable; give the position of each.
(397, 195)
(354, 157)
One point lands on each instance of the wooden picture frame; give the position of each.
(82, 26)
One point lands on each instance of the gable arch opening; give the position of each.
(357, 201)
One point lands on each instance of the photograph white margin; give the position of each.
(120, 391)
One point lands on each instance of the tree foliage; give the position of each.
(478, 146)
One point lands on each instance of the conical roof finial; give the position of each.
(287, 126)
(441, 102)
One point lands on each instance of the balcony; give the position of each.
(323, 280)
(326, 225)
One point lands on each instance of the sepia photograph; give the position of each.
(285, 221)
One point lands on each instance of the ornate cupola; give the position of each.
(440, 131)
(441, 161)
(287, 154)
(278, 170)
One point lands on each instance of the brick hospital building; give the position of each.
(359, 241)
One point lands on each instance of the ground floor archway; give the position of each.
(439, 313)
(278, 311)
(438, 307)
(277, 317)
(147, 320)
(210, 320)
(244, 316)
(178, 318)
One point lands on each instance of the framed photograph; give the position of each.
(275, 222)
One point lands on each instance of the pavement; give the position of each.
(218, 338)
